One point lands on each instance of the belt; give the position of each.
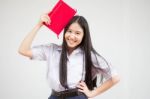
(66, 93)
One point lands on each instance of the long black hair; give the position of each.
(86, 46)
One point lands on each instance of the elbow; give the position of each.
(115, 79)
(23, 52)
(20, 51)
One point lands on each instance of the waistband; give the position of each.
(67, 93)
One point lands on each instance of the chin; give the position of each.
(71, 46)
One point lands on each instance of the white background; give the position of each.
(120, 31)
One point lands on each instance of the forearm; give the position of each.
(105, 86)
(26, 43)
(25, 47)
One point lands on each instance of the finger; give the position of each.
(81, 90)
(80, 87)
(48, 19)
(45, 20)
(49, 22)
(82, 84)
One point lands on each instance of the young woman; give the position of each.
(73, 66)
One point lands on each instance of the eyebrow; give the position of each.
(79, 31)
(75, 31)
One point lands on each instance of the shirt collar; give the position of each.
(59, 48)
(77, 50)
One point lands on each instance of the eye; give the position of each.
(69, 31)
(78, 33)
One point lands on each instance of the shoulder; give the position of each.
(55, 46)
(97, 55)
(47, 47)
(99, 59)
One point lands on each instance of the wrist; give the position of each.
(39, 24)
(92, 94)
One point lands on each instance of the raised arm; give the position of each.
(25, 47)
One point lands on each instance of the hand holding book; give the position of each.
(44, 19)
(60, 15)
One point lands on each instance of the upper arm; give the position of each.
(40, 52)
(103, 66)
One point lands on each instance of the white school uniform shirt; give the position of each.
(75, 65)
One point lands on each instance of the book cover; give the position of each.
(60, 15)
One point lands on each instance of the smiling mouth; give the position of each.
(71, 41)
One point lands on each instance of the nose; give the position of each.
(72, 35)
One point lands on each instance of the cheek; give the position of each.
(81, 38)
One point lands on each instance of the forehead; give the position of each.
(75, 27)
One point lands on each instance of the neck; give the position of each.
(70, 50)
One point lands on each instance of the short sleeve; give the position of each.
(103, 67)
(41, 52)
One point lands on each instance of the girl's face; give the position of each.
(74, 35)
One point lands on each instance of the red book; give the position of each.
(60, 15)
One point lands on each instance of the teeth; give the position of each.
(71, 41)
